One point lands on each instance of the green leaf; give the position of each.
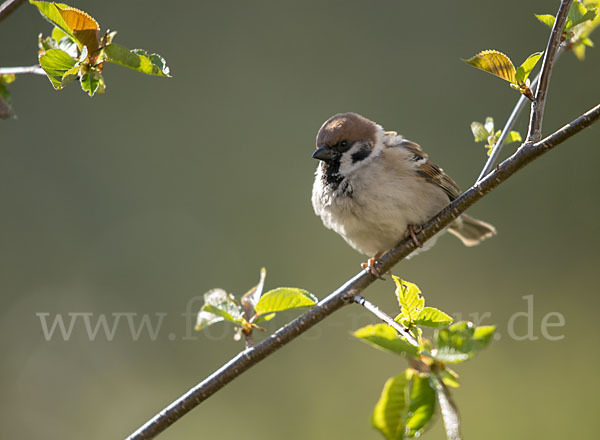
(525, 69)
(460, 341)
(432, 317)
(494, 62)
(513, 136)
(284, 298)
(136, 59)
(260, 318)
(450, 377)
(547, 19)
(384, 337)
(92, 82)
(73, 22)
(421, 406)
(56, 63)
(218, 305)
(578, 14)
(483, 335)
(58, 34)
(409, 297)
(6, 111)
(388, 415)
(479, 131)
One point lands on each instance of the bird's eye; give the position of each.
(343, 146)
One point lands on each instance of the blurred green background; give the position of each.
(143, 199)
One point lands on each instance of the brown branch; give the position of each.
(537, 106)
(9, 6)
(344, 294)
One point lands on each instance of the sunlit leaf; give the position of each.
(479, 131)
(547, 19)
(421, 406)
(92, 82)
(409, 297)
(284, 298)
(75, 23)
(388, 415)
(432, 317)
(525, 69)
(56, 63)
(578, 14)
(136, 59)
(513, 136)
(494, 62)
(450, 378)
(218, 305)
(384, 337)
(460, 341)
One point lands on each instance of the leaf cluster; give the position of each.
(76, 50)
(582, 19)
(408, 401)
(253, 307)
(484, 132)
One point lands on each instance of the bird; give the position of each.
(375, 188)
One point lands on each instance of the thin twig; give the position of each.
(537, 106)
(361, 300)
(344, 294)
(9, 6)
(37, 70)
(510, 122)
(448, 409)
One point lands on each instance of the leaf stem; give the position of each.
(448, 409)
(37, 70)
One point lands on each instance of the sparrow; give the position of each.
(374, 188)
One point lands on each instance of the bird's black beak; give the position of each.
(323, 153)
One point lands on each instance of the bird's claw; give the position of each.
(371, 267)
(412, 230)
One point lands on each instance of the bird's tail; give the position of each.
(470, 230)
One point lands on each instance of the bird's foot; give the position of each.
(411, 231)
(371, 266)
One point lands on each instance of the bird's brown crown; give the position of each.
(350, 127)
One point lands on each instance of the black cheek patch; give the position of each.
(361, 154)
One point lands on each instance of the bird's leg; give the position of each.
(371, 265)
(412, 230)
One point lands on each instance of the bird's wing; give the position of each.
(424, 168)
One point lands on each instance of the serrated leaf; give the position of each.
(494, 62)
(388, 415)
(384, 337)
(218, 305)
(409, 297)
(547, 19)
(56, 63)
(421, 407)
(479, 132)
(483, 335)
(525, 69)
(136, 59)
(432, 317)
(73, 22)
(284, 298)
(513, 136)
